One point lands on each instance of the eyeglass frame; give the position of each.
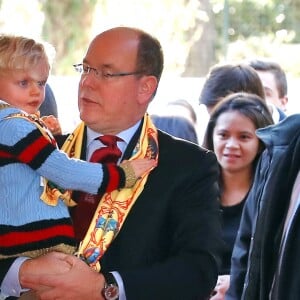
(100, 74)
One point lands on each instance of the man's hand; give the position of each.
(51, 263)
(77, 283)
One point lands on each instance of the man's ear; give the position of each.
(147, 88)
(284, 101)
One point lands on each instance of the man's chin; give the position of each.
(88, 118)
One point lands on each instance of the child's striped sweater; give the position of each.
(29, 227)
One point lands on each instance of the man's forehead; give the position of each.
(103, 52)
(114, 42)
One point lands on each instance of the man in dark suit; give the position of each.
(169, 244)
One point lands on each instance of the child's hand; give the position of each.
(134, 169)
(140, 166)
(53, 124)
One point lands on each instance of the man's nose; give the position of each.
(87, 79)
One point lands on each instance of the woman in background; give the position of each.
(231, 135)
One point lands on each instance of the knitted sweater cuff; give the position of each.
(113, 178)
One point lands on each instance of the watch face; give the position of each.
(111, 292)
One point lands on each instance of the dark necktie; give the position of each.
(83, 212)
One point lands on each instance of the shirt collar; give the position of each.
(125, 135)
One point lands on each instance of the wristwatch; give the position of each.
(111, 289)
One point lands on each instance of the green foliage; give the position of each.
(250, 18)
(67, 26)
(268, 28)
(173, 22)
(194, 33)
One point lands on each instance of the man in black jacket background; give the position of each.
(265, 259)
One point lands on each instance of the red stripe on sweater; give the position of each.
(19, 238)
(33, 149)
(114, 178)
(5, 154)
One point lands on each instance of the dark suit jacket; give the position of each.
(169, 245)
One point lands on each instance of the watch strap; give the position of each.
(109, 278)
(111, 289)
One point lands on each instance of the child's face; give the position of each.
(25, 89)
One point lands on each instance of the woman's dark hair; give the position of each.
(223, 80)
(249, 105)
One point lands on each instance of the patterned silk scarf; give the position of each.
(72, 147)
(113, 207)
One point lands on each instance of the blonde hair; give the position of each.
(21, 53)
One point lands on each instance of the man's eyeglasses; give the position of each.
(86, 69)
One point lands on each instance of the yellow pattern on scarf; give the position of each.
(72, 147)
(113, 207)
